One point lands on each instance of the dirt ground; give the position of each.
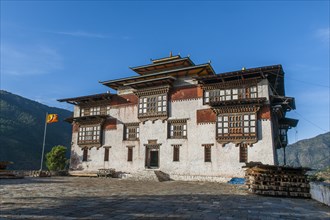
(107, 198)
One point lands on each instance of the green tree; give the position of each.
(55, 159)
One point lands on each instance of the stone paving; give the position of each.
(97, 198)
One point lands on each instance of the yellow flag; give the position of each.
(51, 118)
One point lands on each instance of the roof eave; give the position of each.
(114, 84)
(77, 100)
(162, 63)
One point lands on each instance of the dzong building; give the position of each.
(183, 119)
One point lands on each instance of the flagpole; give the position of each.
(43, 145)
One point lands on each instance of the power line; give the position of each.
(301, 81)
(274, 91)
(313, 84)
(309, 121)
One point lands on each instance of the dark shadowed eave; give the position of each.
(274, 74)
(87, 99)
(166, 64)
(287, 103)
(198, 70)
(288, 122)
(86, 119)
(165, 59)
(161, 81)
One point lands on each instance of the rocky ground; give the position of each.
(98, 198)
(324, 175)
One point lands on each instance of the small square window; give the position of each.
(177, 129)
(85, 154)
(106, 154)
(176, 153)
(129, 154)
(207, 154)
(131, 131)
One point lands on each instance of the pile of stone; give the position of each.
(106, 173)
(277, 180)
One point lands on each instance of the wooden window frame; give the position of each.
(96, 110)
(243, 153)
(229, 94)
(85, 155)
(131, 132)
(177, 130)
(176, 153)
(107, 109)
(153, 105)
(84, 111)
(89, 134)
(237, 124)
(106, 154)
(129, 154)
(207, 154)
(93, 110)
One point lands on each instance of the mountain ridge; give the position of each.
(22, 124)
(313, 152)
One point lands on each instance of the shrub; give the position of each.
(55, 159)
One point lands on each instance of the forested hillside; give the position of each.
(22, 124)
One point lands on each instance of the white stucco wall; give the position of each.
(76, 111)
(224, 159)
(320, 191)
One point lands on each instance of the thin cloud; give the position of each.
(23, 60)
(323, 34)
(319, 96)
(80, 34)
(303, 67)
(76, 33)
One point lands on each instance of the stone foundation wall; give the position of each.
(320, 192)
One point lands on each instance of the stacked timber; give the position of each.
(277, 180)
(7, 174)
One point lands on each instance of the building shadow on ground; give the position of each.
(31, 180)
(192, 206)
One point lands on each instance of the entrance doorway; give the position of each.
(152, 158)
(152, 154)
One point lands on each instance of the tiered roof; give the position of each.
(164, 70)
(167, 63)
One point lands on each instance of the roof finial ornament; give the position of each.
(171, 54)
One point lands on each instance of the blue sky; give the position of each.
(59, 49)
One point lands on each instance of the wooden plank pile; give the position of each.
(277, 180)
(7, 174)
